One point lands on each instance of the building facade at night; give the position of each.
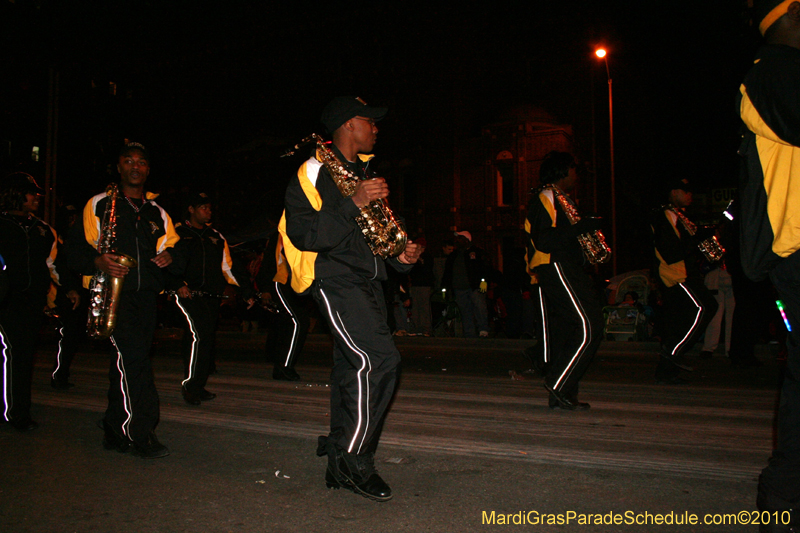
(491, 183)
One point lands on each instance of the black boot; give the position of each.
(150, 448)
(353, 472)
(285, 373)
(554, 403)
(113, 440)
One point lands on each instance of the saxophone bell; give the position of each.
(104, 293)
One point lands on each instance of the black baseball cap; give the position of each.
(678, 183)
(129, 147)
(198, 198)
(343, 108)
(22, 182)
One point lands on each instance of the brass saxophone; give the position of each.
(104, 289)
(711, 248)
(593, 243)
(382, 231)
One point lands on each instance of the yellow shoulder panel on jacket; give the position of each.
(301, 263)
(780, 164)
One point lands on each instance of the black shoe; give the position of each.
(61, 384)
(112, 440)
(357, 473)
(204, 395)
(353, 472)
(285, 373)
(563, 401)
(675, 360)
(190, 398)
(25, 423)
(150, 449)
(535, 354)
(579, 406)
(705, 354)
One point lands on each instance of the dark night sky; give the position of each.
(206, 80)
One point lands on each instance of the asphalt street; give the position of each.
(469, 445)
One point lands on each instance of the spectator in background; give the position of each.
(422, 280)
(719, 282)
(465, 277)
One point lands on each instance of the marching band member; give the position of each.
(574, 327)
(208, 268)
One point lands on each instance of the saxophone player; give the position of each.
(329, 255)
(143, 231)
(28, 249)
(573, 327)
(688, 304)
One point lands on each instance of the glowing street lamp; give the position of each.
(602, 54)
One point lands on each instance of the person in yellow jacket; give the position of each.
(688, 305)
(145, 232)
(769, 203)
(572, 318)
(327, 253)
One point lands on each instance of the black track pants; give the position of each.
(20, 319)
(288, 329)
(365, 360)
(199, 337)
(132, 397)
(574, 327)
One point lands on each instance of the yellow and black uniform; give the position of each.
(770, 240)
(208, 268)
(28, 247)
(71, 319)
(143, 231)
(327, 252)
(572, 315)
(288, 328)
(688, 304)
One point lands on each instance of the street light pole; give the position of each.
(601, 53)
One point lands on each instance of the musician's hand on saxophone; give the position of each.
(109, 263)
(163, 259)
(410, 254)
(370, 190)
(74, 297)
(586, 225)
